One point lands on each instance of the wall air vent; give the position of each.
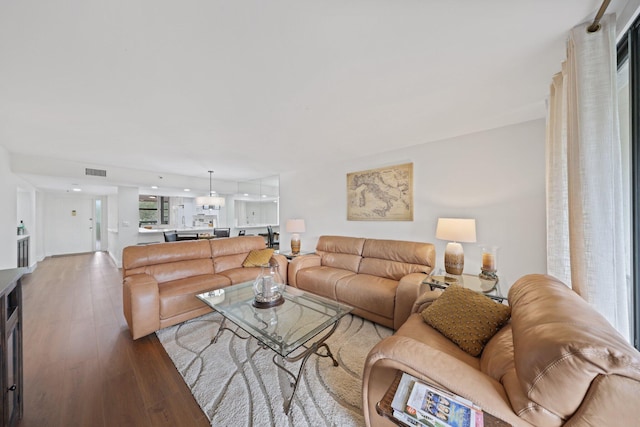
(95, 172)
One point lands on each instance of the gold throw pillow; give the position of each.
(256, 258)
(466, 317)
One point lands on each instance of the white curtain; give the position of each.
(585, 230)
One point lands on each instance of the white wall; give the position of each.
(18, 202)
(496, 177)
(8, 215)
(26, 212)
(127, 218)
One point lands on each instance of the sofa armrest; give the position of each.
(141, 304)
(299, 263)
(283, 265)
(425, 300)
(410, 287)
(400, 353)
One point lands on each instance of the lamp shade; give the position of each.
(210, 201)
(295, 226)
(456, 229)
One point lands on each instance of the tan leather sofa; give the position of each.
(160, 281)
(557, 362)
(379, 278)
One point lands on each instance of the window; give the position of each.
(154, 210)
(629, 113)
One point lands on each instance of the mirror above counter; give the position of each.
(257, 203)
(252, 207)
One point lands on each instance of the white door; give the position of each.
(69, 219)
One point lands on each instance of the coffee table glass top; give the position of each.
(283, 328)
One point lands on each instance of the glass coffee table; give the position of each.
(294, 330)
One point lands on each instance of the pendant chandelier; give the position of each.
(210, 201)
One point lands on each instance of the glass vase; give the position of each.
(268, 287)
(489, 267)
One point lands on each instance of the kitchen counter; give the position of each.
(155, 235)
(179, 230)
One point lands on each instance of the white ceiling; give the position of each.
(252, 88)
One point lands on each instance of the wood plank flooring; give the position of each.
(81, 367)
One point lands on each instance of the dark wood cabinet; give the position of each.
(11, 345)
(23, 251)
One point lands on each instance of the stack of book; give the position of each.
(418, 404)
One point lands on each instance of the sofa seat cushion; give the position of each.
(370, 293)
(178, 296)
(241, 275)
(415, 328)
(321, 280)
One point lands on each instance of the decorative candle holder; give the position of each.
(268, 287)
(489, 268)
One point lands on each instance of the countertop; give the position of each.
(179, 230)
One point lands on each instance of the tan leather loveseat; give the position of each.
(557, 362)
(379, 278)
(160, 281)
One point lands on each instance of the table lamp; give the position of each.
(295, 226)
(455, 230)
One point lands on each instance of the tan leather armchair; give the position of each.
(558, 362)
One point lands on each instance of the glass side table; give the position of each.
(442, 280)
(291, 256)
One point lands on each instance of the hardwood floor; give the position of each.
(81, 367)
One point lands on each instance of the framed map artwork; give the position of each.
(383, 194)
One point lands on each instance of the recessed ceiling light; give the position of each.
(77, 189)
(155, 187)
(264, 195)
(187, 189)
(246, 194)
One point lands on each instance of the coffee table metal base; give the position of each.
(304, 355)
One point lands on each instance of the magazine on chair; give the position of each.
(419, 404)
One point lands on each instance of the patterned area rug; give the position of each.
(236, 383)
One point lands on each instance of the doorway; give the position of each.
(97, 225)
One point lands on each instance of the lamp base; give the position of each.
(295, 246)
(454, 258)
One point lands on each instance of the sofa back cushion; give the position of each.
(229, 253)
(394, 259)
(340, 252)
(160, 259)
(561, 344)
